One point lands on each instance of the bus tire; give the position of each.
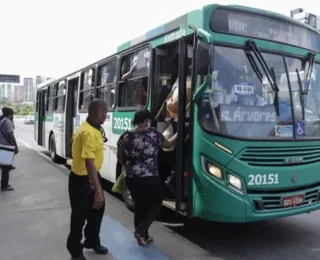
(126, 196)
(53, 154)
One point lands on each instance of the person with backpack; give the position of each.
(7, 138)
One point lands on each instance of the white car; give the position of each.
(29, 120)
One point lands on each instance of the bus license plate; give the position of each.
(293, 200)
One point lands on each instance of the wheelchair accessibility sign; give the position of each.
(300, 129)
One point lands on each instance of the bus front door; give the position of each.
(71, 113)
(181, 126)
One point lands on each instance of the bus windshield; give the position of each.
(242, 103)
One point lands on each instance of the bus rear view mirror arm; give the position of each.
(202, 88)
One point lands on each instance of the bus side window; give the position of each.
(61, 96)
(48, 96)
(50, 99)
(133, 84)
(86, 93)
(106, 86)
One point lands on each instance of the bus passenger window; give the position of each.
(134, 93)
(107, 82)
(61, 96)
(50, 97)
(134, 79)
(86, 90)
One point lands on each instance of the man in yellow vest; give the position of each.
(85, 191)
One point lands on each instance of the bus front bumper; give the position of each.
(216, 202)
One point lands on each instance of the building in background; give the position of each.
(38, 81)
(19, 93)
(12, 90)
(29, 89)
(7, 83)
(308, 18)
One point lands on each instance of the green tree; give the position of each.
(25, 109)
(19, 109)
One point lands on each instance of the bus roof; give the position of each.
(45, 83)
(195, 18)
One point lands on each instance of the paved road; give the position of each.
(25, 133)
(284, 239)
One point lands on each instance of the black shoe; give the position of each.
(9, 188)
(100, 250)
(13, 167)
(140, 239)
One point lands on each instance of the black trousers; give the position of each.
(81, 196)
(5, 176)
(147, 194)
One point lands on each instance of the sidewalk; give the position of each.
(34, 219)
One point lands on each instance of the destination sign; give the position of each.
(263, 27)
(247, 114)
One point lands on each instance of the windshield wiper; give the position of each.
(311, 56)
(254, 66)
(301, 94)
(251, 45)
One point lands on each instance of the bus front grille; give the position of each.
(280, 156)
(272, 202)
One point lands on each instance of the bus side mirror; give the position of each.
(202, 58)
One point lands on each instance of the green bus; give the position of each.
(247, 111)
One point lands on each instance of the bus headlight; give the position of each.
(235, 182)
(211, 169)
(214, 170)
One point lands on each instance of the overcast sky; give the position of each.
(55, 37)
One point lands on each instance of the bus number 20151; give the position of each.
(121, 123)
(263, 179)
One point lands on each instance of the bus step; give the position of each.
(172, 205)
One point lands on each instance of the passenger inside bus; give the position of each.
(106, 82)
(168, 113)
(88, 83)
(140, 62)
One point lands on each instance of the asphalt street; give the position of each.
(290, 238)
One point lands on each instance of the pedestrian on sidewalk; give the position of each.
(138, 152)
(85, 189)
(7, 138)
